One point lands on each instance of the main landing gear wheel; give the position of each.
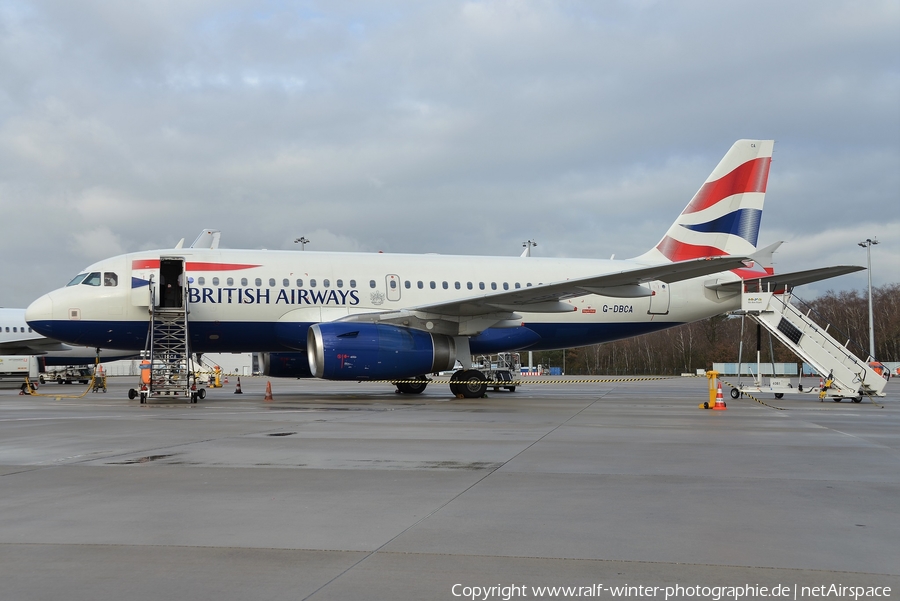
(469, 383)
(779, 395)
(735, 393)
(132, 394)
(413, 387)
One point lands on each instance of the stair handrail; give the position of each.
(844, 335)
(842, 349)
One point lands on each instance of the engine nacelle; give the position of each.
(284, 365)
(353, 351)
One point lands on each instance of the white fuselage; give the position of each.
(238, 298)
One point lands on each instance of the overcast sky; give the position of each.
(449, 127)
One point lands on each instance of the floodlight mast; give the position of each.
(867, 244)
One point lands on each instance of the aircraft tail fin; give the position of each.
(723, 216)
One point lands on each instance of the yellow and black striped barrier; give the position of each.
(748, 395)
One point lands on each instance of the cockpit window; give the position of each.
(93, 279)
(77, 279)
(110, 279)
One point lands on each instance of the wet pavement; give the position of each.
(350, 491)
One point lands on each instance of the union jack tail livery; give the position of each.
(723, 216)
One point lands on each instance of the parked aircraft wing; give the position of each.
(545, 298)
(31, 346)
(780, 281)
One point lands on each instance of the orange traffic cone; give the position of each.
(225, 381)
(720, 402)
(238, 389)
(268, 392)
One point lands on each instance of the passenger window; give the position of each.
(258, 281)
(93, 279)
(445, 285)
(371, 283)
(110, 279)
(229, 281)
(312, 283)
(272, 282)
(201, 281)
(15, 329)
(340, 283)
(393, 284)
(29, 330)
(506, 285)
(215, 281)
(457, 286)
(493, 285)
(353, 283)
(77, 279)
(432, 285)
(528, 285)
(518, 285)
(285, 282)
(420, 284)
(407, 284)
(243, 281)
(299, 283)
(326, 283)
(481, 285)
(469, 285)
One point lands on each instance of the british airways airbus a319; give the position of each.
(348, 316)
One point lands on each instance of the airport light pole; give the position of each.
(528, 245)
(302, 241)
(867, 244)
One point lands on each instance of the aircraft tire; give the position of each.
(779, 395)
(473, 384)
(454, 387)
(413, 387)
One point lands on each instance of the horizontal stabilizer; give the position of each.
(788, 280)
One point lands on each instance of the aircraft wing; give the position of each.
(545, 298)
(781, 281)
(31, 346)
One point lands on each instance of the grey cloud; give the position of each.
(436, 127)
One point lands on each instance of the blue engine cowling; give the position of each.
(355, 351)
(284, 365)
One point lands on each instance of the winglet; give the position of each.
(764, 255)
(207, 239)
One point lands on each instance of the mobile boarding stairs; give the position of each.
(167, 368)
(850, 377)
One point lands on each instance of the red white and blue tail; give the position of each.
(723, 216)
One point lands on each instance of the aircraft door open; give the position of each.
(140, 288)
(659, 299)
(393, 287)
(172, 282)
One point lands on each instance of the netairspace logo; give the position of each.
(714, 593)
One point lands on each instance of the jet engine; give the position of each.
(353, 351)
(284, 365)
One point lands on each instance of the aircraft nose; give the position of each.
(39, 314)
